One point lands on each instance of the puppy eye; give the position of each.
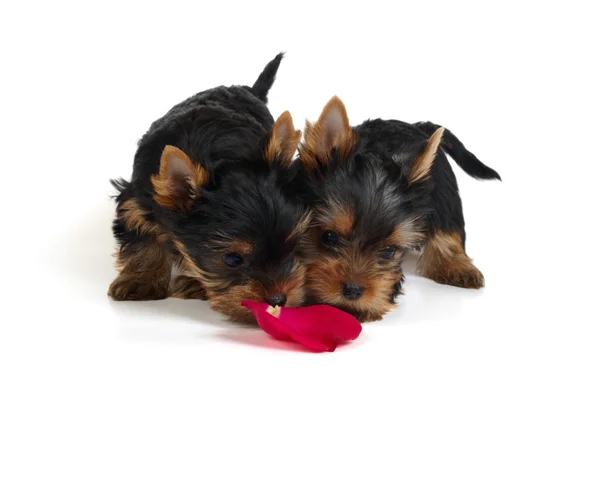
(389, 252)
(329, 238)
(233, 259)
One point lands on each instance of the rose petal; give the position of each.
(318, 327)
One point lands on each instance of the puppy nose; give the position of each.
(276, 300)
(352, 292)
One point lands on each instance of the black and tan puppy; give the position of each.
(211, 194)
(378, 190)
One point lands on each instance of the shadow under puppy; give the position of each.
(378, 190)
(211, 195)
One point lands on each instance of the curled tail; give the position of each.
(265, 80)
(465, 159)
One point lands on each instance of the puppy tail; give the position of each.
(265, 80)
(465, 159)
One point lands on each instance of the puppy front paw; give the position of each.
(132, 289)
(368, 317)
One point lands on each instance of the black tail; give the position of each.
(266, 78)
(465, 159)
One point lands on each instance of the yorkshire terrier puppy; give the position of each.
(211, 195)
(378, 190)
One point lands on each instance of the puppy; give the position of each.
(211, 194)
(378, 190)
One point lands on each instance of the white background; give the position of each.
(456, 390)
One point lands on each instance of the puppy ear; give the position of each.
(179, 180)
(331, 132)
(422, 165)
(283, 141)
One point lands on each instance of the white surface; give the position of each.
(456, 390)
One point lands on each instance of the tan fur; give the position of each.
(422, 166)
(209, 282)
(326, 275)
(292, 287)
(227, 299)
(331, 131)
(241, 246)
(338, 219)
(301, 227)
(177, 190)
(409, 234)
(135, 219)
(144, 274)
(444, 260)
(344, 221)
(187, 264)
(284, 140)
(188, 288)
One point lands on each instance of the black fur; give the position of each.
(225, 129)
(465, 159)
(265, 80)
(373, 181)
(400, 143)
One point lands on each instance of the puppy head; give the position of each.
(368, 210)
(236, 228)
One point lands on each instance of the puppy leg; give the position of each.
(143, 261)
(188, 288)
(144, 275)
(444, 259)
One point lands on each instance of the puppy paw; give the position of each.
(188, 288)
(127, 289)
(464, 275)
(368, 317)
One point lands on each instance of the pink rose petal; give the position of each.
(319, 327)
